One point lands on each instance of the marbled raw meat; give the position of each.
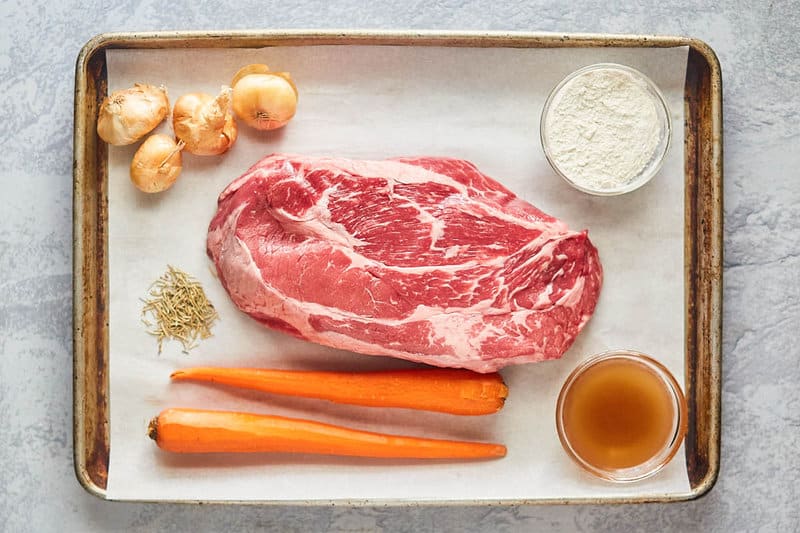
(422, 258)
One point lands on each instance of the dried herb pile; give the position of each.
(177, 308)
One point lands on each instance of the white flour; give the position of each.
(603, 128)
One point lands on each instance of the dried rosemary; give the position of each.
(180, 309)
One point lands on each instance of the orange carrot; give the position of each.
(199, 431)
(455, 391)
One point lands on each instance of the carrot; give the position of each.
(199, 431)
(455, 391)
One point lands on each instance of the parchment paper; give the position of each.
(376, 102)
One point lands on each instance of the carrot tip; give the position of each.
(176, 374)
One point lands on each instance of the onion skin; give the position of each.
(265, 101)
(254, 68)
(156, 164)
(128, 115)
(205, 123)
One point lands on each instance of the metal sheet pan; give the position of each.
(702, 231)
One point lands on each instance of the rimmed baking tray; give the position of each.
(702, 230)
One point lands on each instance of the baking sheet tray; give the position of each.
(703, 181)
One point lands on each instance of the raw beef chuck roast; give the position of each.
(424, 259)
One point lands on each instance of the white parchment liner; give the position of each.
(377, 102)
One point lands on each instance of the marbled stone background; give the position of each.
(758, 45)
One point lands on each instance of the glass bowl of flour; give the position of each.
(606, 129)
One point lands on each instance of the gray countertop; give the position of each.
(758, 45)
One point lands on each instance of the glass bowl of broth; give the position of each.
(621, 416)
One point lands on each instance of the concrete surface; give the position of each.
(758, 45)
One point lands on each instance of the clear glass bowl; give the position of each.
(659, 153)
(670, 446)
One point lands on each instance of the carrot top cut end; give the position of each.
(152, 429)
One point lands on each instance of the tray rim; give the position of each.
(85, 304)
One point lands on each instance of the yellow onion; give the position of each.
(156, 164)
(204, 122)
(263, 99)
(128, 115)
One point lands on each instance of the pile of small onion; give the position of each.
(202, 124)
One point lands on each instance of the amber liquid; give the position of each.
(619, 414)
